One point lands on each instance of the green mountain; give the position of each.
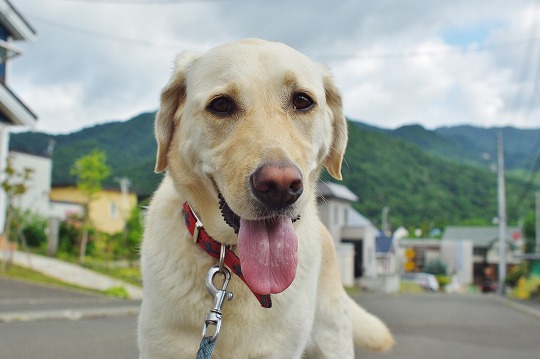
(428, 178)
(421, 187)
(129, 145)
(475, 145)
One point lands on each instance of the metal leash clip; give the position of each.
(213, 318)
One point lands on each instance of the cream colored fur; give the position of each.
(205, 154)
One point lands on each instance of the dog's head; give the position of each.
(253, 122)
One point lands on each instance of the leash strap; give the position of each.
(206, 348)
(213, 248)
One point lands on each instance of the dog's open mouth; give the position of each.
(267, 250)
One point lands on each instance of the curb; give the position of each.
(524, 308)
(69, 314)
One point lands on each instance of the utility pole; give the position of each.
(537, 228)
(125, 183)
(385, 226)
(502, 213)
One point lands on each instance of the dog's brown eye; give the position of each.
(221, 106)
(302, 102)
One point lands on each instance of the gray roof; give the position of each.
(334, 190)
(355, 219)
(480, 236)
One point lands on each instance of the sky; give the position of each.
(430, 62)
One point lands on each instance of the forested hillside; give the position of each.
(130, 149)
(419, 174)
(419, 187)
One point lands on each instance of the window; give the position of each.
(113, 210)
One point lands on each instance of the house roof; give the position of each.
(334, 190)
(355, 219)
(480, 236)
(15, 23)
(14, 110)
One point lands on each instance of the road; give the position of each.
(50, 322)
(425, 326)
(457, 326)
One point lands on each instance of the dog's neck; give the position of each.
(213, 248)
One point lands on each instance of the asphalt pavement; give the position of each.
(457, 326)
(24, 301)
(60, 323)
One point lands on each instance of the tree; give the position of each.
(90, 171)
(14, 185)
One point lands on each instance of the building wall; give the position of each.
(458, 256)
(4, 145)
(108, 212)
(36, 198)
(345, 256)
(333, 214)
(367, 236)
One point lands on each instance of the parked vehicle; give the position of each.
(425, 280)
(488, 286)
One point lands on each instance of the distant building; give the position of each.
(108, 212)
(387, 252)
(354, 235)
(456, 255)
(485, 242)
(13, 112)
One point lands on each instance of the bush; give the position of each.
(517, 272)
(70, 236)
(30, 225)
(436, 267)
(34, 230)
(443, 280)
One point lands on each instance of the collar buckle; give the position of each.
(198, 227)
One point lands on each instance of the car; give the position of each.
(488, 286)
(427, 281)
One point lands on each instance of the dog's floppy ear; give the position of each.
(172, 99)
(333, 160)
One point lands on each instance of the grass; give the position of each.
(28, 275)
(410, 287)
(16, 272)
(128, 274)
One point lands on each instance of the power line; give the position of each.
(433, 53)
(527, 64)
(105, 36)
(383, 56)
(142, 2)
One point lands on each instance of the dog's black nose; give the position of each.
(277, 185)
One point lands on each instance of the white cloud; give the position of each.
(96, 62)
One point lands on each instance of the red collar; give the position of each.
(212, 247)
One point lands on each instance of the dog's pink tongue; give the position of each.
(267, 251)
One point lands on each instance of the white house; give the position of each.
(354, 235)
(13, 112)
(38, 188)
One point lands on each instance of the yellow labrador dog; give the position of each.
(243, 131)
